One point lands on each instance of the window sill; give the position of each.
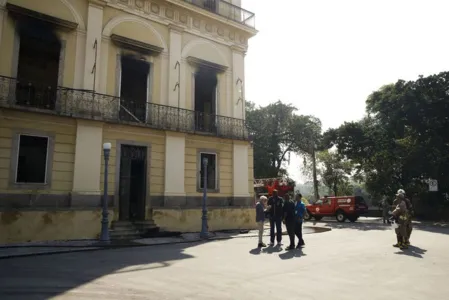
(30, 186)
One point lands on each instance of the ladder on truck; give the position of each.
(265, 181)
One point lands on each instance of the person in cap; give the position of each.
(260, 218)
(276, 209)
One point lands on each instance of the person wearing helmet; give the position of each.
(400, 215)
(409, 225)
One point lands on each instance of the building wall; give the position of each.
(154, 140)
(64, 132)
(180, 33)
(69, 208)
(19, 226)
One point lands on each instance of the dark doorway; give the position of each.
(205, 100)
(38, 65)
(134, 89)
(132, 185)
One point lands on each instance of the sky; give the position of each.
(327, 56)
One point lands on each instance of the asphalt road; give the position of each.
(353, 261)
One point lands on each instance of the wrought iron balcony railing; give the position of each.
(24, 95)
(227, 10)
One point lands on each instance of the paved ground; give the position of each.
(353, 261)
(49, 247)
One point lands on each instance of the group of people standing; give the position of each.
(281, 210)
(402, 213)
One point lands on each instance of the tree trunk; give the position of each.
(315, 181)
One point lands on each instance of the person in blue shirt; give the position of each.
(300, 210)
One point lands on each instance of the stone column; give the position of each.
(175, 49)
(174, 187)
(87, 166)
(94, 33)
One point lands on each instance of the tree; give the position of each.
(403, 140)
(278, 131)
(335, 172)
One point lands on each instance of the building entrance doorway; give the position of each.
(132, 185)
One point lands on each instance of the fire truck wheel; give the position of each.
(340, 216)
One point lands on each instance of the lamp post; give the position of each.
(104, 237)
(204, 228)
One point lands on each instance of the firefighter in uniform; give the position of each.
(409, 228)
(400, 215)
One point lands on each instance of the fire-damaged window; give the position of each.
(134, 89)
(205, 99)
(38, 64)
(212, 171)
(32, 159)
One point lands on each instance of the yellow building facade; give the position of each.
(162, 81)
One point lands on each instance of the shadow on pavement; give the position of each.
(291, 254)
(363, 226)
(255, 251)
(45, 277)
(272, 249)
(434, 228)
(413, 251)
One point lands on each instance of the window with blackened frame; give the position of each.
(32, 159)
(211, 171)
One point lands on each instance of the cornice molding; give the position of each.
(239, 49)
(163, 21)
(176, 28)
(227, 32)
(198, 62)
(98, 3)
(21, 12)
(219, 18)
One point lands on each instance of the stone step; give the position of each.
(126, 229)
(124, 234)
(133, 230)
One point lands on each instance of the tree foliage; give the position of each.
(335, 173)
(403, 140)
(278, 131)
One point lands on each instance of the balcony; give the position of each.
(86, 104)
(227, 10)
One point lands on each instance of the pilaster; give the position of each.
(2, 17)
(240, 170)
(238, 84)
(175, 66)
(87, 166)
(175, 145)
(93, 49)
